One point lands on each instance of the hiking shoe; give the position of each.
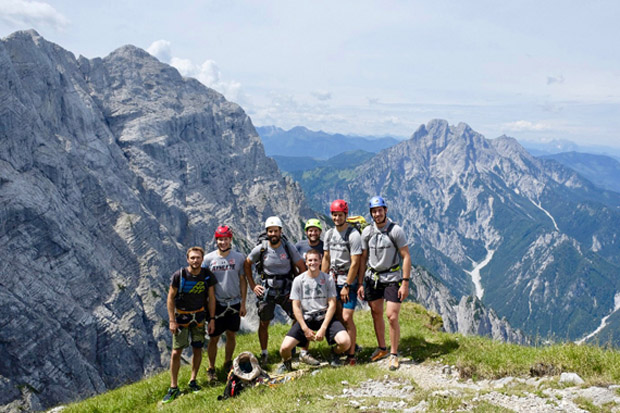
(285, 367)
(264, 359)
(393, 362)
(193, 386)
(211, 375)
(378, 354)
(228, 366)
(335, 360)
(308, 359)
(351, 360)
(173, 393)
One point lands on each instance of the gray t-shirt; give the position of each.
(313, 292)
(276, 261)
(304, 246)
(339, 255)
(227, 271)
(382, 253)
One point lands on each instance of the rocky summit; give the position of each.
(529, 238)
(109, 169)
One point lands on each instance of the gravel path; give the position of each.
(435, 387)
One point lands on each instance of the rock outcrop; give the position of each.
(109, 169)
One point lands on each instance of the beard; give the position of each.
(274, 239)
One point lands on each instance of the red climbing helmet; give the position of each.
(339, 205)
(223, 231)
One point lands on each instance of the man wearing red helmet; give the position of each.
(342, 254)
(230, 294)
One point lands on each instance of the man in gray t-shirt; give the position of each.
(278, 262)
(314, 304)
(384, 245)
(230, 293)
(343, 251)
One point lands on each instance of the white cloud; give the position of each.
(31, 13)
(161, 49)
(525, 125)
(208, 73)
(555, 79)
(322, 95)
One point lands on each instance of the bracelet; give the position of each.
(406, 279)
(211, 318)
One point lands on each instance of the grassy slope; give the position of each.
(481, 357)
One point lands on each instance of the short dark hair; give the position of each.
(313, 251)
(200, 250)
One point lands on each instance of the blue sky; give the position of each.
(533, 70)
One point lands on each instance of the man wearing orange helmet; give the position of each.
(341, 259)
(230, 294)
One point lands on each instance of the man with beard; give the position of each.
(191, 291)
(277, 262)
(313, 241)
(384, 245)
(341, 259)
(230, 295)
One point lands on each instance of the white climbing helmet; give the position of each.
(273, 222)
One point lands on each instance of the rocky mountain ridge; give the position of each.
(532, 239)
(109, 169)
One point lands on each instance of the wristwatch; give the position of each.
(345, 285)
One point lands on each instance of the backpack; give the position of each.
(245, 373)
(263, 241)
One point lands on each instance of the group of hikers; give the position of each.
(317, 283)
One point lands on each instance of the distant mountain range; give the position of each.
(537, 242)
(300, 141)
(298, 164)
(557, 146)
(603, 171)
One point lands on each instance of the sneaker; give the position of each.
(308, 359)
(193, 386)
(378, 354)
(228, 366)
(351, 360)
(335, 360)
(211, 375)
(393, 362)
(358, 348)
(264, 359)
(173, 393)
(285, 367)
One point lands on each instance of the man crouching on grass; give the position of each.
(314, 303)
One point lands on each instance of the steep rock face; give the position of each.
(109, 170)
(467, 316)
(542, 239)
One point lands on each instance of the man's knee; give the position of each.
(342, 339)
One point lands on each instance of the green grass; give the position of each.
(420, 340)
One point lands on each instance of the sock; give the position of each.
(383, 348)
(304, 352)
(394, 354)
(264, 352)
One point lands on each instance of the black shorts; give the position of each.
(297, 333)
(226, 319)
(387, 291)
(267, 306)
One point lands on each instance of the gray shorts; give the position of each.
(267, 306)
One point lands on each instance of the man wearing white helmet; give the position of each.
(277, 263)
